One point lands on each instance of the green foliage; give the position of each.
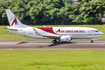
(55, 12)
(68, 1)
(3, 6)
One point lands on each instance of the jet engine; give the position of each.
(65, 38)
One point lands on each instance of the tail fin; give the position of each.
(13, 20)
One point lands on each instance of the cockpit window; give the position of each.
(96, 31)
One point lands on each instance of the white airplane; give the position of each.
(56, 33)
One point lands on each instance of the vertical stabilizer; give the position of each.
(13, 20)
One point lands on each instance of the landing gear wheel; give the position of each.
(54, 41)
(91, 41)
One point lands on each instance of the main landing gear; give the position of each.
(54, 41)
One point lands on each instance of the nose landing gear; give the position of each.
(91, 41)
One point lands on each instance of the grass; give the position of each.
(52, 59)
(5, 35)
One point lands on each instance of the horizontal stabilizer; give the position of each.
(11, 29)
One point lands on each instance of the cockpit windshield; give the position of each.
(96, 31)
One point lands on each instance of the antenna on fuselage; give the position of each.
(44, 25)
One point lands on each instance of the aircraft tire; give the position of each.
(91, 41)
(54, 41)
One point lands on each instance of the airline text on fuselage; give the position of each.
(70, 31)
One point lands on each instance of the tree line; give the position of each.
(53, 12)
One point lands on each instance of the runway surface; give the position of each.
(75, 44)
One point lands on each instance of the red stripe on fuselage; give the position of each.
(47, 29)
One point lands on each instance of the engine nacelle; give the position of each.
(65, 38)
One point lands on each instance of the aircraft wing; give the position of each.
(45, 34)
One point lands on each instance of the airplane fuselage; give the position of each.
(74, 32)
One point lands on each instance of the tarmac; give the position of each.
(45, 44)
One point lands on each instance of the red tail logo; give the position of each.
(14, 21)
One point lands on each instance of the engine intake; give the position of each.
(65, 38)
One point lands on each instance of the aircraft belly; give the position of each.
(78, 36)
(81, 36)
(84, 36)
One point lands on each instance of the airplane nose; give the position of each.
(102, 33)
